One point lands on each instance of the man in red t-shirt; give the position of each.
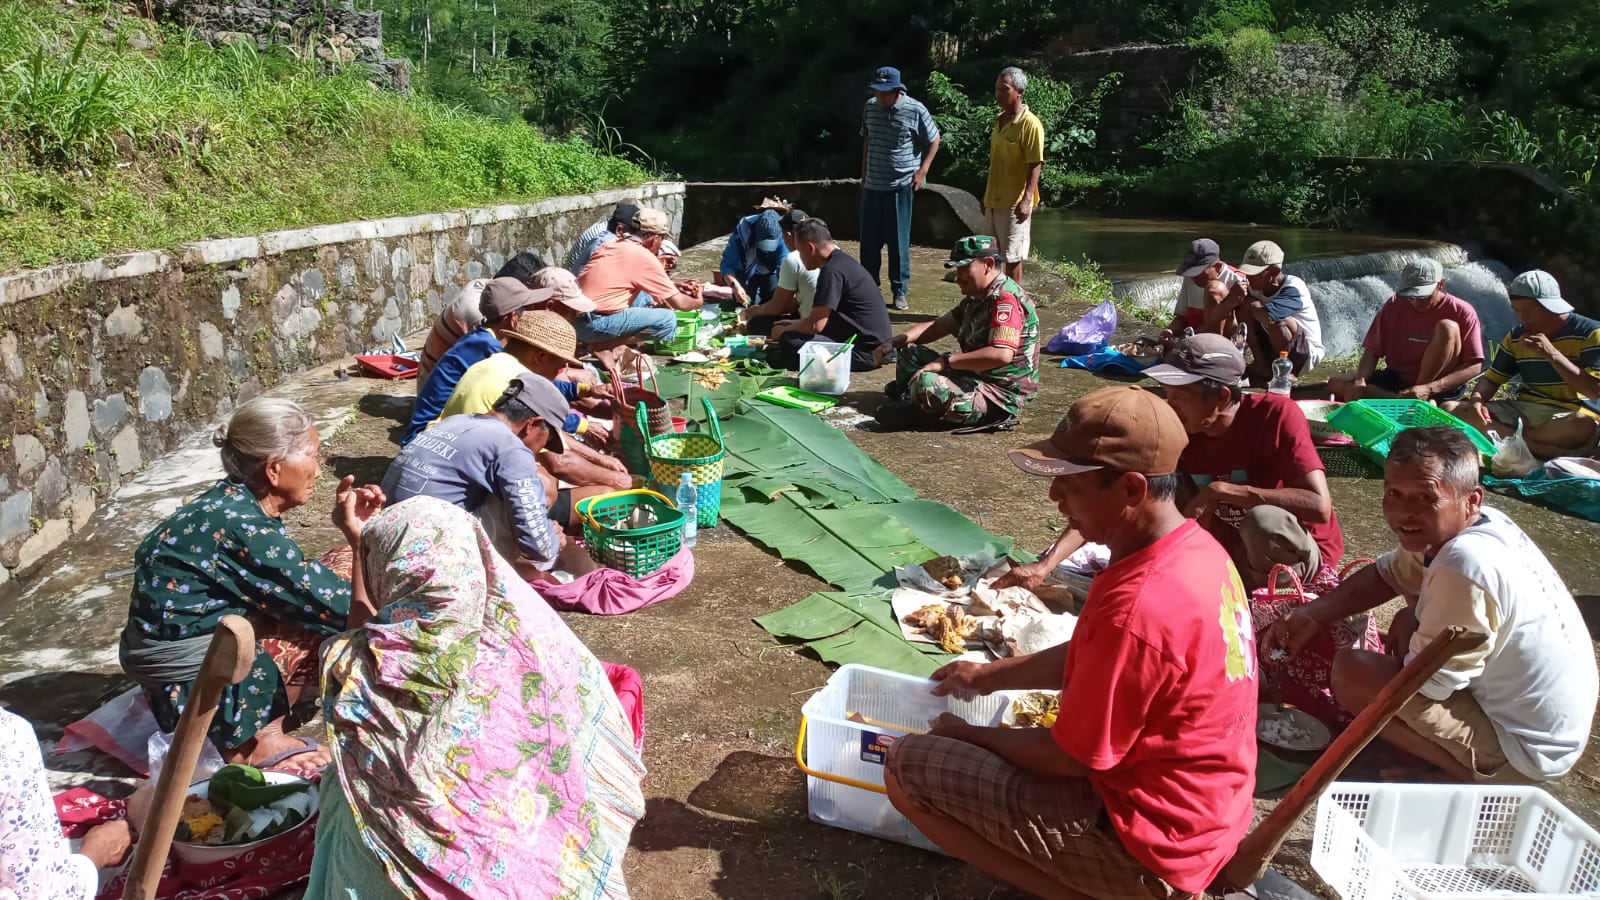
(1142, 788)
(1429, 340)
(1252, 475)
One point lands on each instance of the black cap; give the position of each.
(624, 213)
(792, 219)
(1202, 254)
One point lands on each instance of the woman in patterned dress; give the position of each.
(226, 553)
(478, 747)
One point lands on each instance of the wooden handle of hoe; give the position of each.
(228, 661)
(1250, 861)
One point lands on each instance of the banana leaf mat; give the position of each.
(801, 488)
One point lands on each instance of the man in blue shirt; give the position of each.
(899, 140)
(502, 304)
(599, 233)
(485, 464)
(755, 251)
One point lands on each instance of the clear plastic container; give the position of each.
(839, 750)
(824, 368)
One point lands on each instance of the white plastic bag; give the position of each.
(161, 742)
(1512, 458)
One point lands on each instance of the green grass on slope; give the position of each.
(106, 148)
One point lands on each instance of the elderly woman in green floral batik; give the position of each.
(226, 553)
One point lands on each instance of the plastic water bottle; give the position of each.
(686, 497)
(1282, 382)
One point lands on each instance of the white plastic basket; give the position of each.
(824, 367)
(1462, 842)
(843, 760)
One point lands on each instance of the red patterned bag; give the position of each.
(1307, 675)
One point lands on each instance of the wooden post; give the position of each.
(1261, 844)
(228, 661)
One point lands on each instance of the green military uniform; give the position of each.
(1003, 317)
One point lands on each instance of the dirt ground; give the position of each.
(726, 809)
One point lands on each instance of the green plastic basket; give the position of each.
(701, 456)
(634, 551)
(1373, 424)
(684, 338)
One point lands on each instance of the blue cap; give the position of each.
(1540, 285)
(887, 78)
(768, 232)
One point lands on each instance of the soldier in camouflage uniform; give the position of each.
(996, 371)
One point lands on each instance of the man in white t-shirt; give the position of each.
(1280, 315)
(1209, 293)
(797, 285)
(1516, 708)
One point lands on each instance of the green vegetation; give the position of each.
(106, 148)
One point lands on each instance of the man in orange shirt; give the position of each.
(633, 295)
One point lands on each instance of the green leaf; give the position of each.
(948, 532)
(796, 445)
(874, 647)
(853, 547)
(817, 616)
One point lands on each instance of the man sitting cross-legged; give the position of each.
(1142, 787)
(1555, 354)
(995, 370)
(1428, 339)
(1515, 709)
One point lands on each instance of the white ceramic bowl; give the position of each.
(205, 854)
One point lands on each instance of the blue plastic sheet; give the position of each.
(1108, 360)
(1574, 496)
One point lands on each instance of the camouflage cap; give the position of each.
(978, 246)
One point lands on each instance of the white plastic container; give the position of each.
(1462, 842)
(824, 368)
(838, 751)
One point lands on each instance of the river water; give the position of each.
(1350, 274)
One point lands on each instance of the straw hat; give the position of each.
(548, 332)
(777, 203)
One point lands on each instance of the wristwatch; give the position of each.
(946, 359)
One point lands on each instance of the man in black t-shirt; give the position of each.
(847, 303)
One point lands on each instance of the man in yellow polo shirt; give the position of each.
(1016, 159)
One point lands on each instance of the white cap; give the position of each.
(1540, 285)
(1261, 256)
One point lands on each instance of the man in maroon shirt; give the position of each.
(1429, 340)
(1256, 482)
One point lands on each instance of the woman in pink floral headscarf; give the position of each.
(478, 748)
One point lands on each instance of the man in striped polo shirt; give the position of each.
(1556, 353)
(899, 140)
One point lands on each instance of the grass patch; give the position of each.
(1084, 278)
(104, 148)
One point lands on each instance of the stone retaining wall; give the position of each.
(107, 364)
(332, 30)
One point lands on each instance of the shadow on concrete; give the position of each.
(386, 406)
(61, 698)
(1589, 607)
(752, 813)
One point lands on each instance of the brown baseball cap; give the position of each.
(547, 331)
(1127, 429)
(1200, 357)
(503, 296)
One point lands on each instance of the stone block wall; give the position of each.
(332, 30)
(106, 365)
(1138, 109)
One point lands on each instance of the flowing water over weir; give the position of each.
(1348, 290)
